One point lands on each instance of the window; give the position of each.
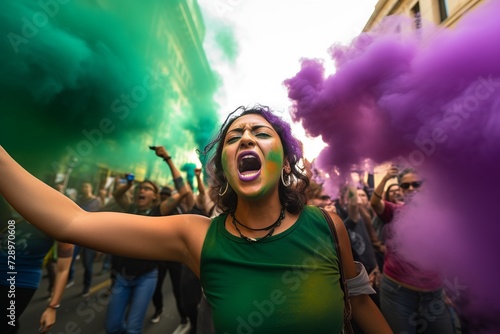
(443, 9)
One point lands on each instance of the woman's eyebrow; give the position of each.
(252, 128)
(256, 127)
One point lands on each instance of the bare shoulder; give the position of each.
(193, 230)
(189, 227)
(194, 222)
(198, 224)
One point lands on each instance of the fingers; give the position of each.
(375, 277)
(43, 328)
(160, 151)
(392, 172)
(374, 280)
(47, 320)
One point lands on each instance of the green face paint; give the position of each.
(274, 160)
(272, 168)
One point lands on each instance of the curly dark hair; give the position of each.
(292, 198)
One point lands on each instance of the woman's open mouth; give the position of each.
(249, 165)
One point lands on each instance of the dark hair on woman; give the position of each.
(364, 190)
(386, 195)
(292, 198)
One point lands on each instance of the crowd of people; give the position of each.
(135, 282)
(245, 255)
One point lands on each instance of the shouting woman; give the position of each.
(267, 264)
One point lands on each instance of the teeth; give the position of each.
(250, 175)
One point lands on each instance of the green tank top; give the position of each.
(288, 283)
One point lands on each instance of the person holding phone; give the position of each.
(136, 278)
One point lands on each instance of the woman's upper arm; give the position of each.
(377, 204)
(177, 238)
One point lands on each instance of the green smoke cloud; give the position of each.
(227, 42)
(80, 79)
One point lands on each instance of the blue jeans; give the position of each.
(410, 312)
(71, 274)
(106, 263)
(88, 256)
(137, 292)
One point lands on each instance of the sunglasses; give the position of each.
(407, 185)
(324, 197)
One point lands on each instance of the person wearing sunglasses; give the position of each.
(410, 187)
(408, 295)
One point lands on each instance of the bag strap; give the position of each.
(343, 284)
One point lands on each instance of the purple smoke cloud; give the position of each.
(428, 99)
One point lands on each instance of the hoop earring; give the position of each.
(288, 182)
(225, 190)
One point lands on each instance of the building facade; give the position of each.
(445, 13)
(438, 12)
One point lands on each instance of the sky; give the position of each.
(267, 39)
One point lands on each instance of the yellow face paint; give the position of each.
(272, 167)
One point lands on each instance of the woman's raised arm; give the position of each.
(41, 205)
(171, 238)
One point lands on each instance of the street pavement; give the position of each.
(78, 315)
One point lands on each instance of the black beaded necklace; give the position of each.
(269, 228)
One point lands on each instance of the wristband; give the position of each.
(178, 183)
(374, 193)
(167, 158)
(54, 307)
